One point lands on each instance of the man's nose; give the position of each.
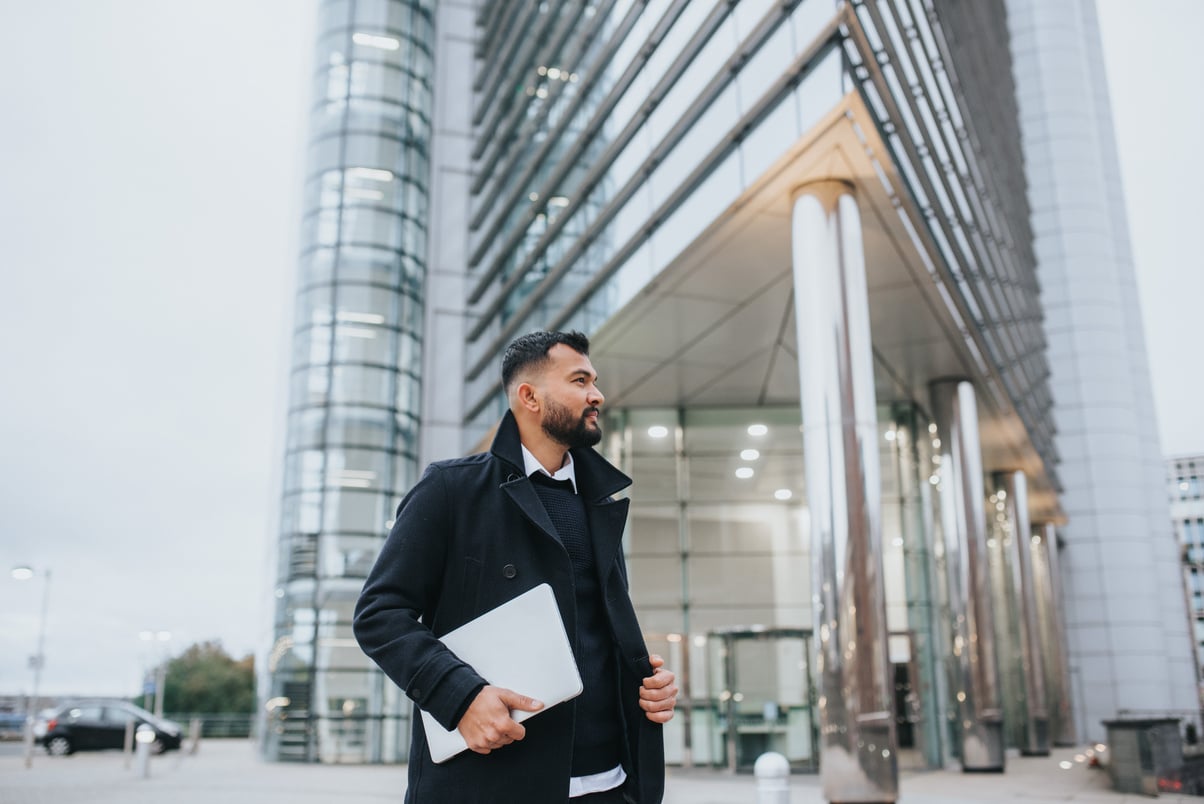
(596, 399)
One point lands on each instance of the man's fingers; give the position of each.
(660, 678)
(521, 702)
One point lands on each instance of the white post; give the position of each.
(127, 747)
(773, 778)
(145, 737)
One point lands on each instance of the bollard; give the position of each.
(194, 735)
(127, 747)
(145, 736)
(773, 778)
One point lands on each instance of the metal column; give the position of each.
(963, 518)
(1014, 485)
(1053, 634)
(855, 702)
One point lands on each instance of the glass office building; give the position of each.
(1186, 494)
(799, 235)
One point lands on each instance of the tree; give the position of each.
(204, 678)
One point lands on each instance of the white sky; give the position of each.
(150, 164)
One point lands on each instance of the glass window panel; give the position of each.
(769, 140)
(305, 428)
(770, 59)
(362, 385)
(654, 580)
(654, 529)
(309, 386)
(375, 79)
(362, 426)
(374, 226)
(303, 471)
(311, 346)
(300, 513)
(356, 511)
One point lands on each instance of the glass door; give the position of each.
(763, 695)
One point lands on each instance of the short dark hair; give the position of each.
(531, 350)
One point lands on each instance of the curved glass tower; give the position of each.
(355, 383)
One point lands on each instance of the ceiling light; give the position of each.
(745, 472)
(361, 318)
(757, 429)
(658, 431)
(375, 174)
(372, 40)
(783, 494)
(749, 455)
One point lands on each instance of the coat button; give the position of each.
(509, 571)
(415, 693)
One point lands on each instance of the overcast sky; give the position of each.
(150, 165)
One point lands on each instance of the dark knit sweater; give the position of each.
(597, 736)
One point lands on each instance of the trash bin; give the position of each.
(1143, 751)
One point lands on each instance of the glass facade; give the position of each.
(719, 557)
(1184, 492)
(354, 401)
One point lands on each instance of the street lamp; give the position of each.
(161, 670)
(24, 573)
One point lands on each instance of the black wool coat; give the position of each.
(471, 535)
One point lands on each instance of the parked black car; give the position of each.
(100, 724)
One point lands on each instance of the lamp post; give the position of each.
(161, 669)
(36, 661)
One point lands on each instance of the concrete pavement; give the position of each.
(230, 772)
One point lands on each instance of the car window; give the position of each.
(86, 713)
(116, 714)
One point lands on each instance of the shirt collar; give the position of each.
(531, 465)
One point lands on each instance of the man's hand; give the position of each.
(487, 724)
(658, 693)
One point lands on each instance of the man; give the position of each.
(476, 532)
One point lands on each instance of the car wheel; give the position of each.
(58, 746)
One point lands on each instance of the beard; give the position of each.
(573, 431)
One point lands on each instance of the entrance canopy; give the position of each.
(716, 327)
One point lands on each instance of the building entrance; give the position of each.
(763, 696)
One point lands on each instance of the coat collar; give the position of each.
(597, 479)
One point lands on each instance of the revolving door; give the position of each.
(762, 696)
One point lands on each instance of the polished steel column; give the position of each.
(963, 519)
(1053, 634)
(855, 689)
(1014, 489)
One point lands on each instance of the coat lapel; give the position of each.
(597, 481)
(606, 521)
(523, 494)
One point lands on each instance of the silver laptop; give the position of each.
(521, 645)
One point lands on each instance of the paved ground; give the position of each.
(230, 772)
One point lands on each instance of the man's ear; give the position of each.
(527, 397)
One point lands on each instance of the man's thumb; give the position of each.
(515, 701)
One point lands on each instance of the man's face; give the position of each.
(571, 399)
